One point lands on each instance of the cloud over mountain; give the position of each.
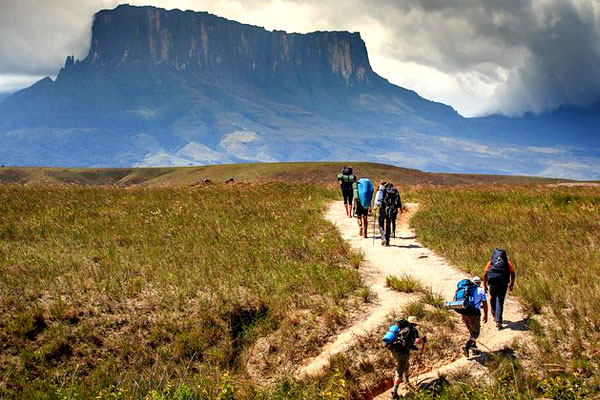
(508, 56)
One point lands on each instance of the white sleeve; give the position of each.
(378, 198)
(482, 294)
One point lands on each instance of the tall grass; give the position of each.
(552, 236)
(123, 290)
(404, 283)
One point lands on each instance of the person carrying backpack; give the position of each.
(391, 203)
(363, 194)
(471, 316)
(400, 339)
(381, 215)
(499, 276)
(346, 179)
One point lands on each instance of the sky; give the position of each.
(479, 56)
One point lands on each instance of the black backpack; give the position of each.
(405, 338)
(391, 199)
(499, 272)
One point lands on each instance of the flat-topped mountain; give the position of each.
(178, 87)
(200, 42)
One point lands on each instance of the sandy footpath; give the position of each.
(405, 255)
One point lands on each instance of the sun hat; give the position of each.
(476, 279)
(413, 320)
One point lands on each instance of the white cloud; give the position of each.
(10, 83)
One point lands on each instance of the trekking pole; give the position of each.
(373, 213)
(490, 350)
(419, 363)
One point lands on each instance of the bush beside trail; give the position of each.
(115, 292)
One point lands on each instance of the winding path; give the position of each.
(405, 256)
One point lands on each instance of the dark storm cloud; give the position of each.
(510, 55)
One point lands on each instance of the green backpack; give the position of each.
(342, 178)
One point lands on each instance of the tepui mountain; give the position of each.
(171, 87)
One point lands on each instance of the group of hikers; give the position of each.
(358, 199)
(469, 299)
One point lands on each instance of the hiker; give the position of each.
(363, 194)
(472, 316)
(400, 340)
(346, 179)
(390, 204)
(378, 200)
(499, 275)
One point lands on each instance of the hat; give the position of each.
(476, 279)
(413, 320)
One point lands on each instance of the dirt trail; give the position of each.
(405, 256)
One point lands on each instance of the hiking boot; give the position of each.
(499, 325)
(360, 231)
(383, 242)
(387, 243)
(395, 395)
(365, 235)
(466, 351)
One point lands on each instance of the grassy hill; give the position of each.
(317, 172)
(552, 235)
(107, 291)
(147, 287)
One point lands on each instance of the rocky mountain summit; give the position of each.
(171, 87)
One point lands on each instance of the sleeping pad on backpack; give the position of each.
(365, 192)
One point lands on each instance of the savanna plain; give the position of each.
(115, 287)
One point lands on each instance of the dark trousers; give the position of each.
(390, 224)
(497, 296)
(348, 194)
(473, 324)
(381, 221)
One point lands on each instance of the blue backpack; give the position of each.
(464, 299)
(365, 192)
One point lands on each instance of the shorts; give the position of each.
(348, 194)
(401, 364)
(360, 211)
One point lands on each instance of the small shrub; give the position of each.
(432, 298)
(416, 308)
(355, 258)
(404, 283)
(439, 316)
(336, 388)
(366, 294)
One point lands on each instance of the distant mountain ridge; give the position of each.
(178, 87)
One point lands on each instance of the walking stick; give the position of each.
(419, 362)
(373, 213)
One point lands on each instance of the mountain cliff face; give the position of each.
(165, 87)
(198, 41)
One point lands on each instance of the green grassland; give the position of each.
(134, 283)
(317, 172)
(552, 235)
(106, 291)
